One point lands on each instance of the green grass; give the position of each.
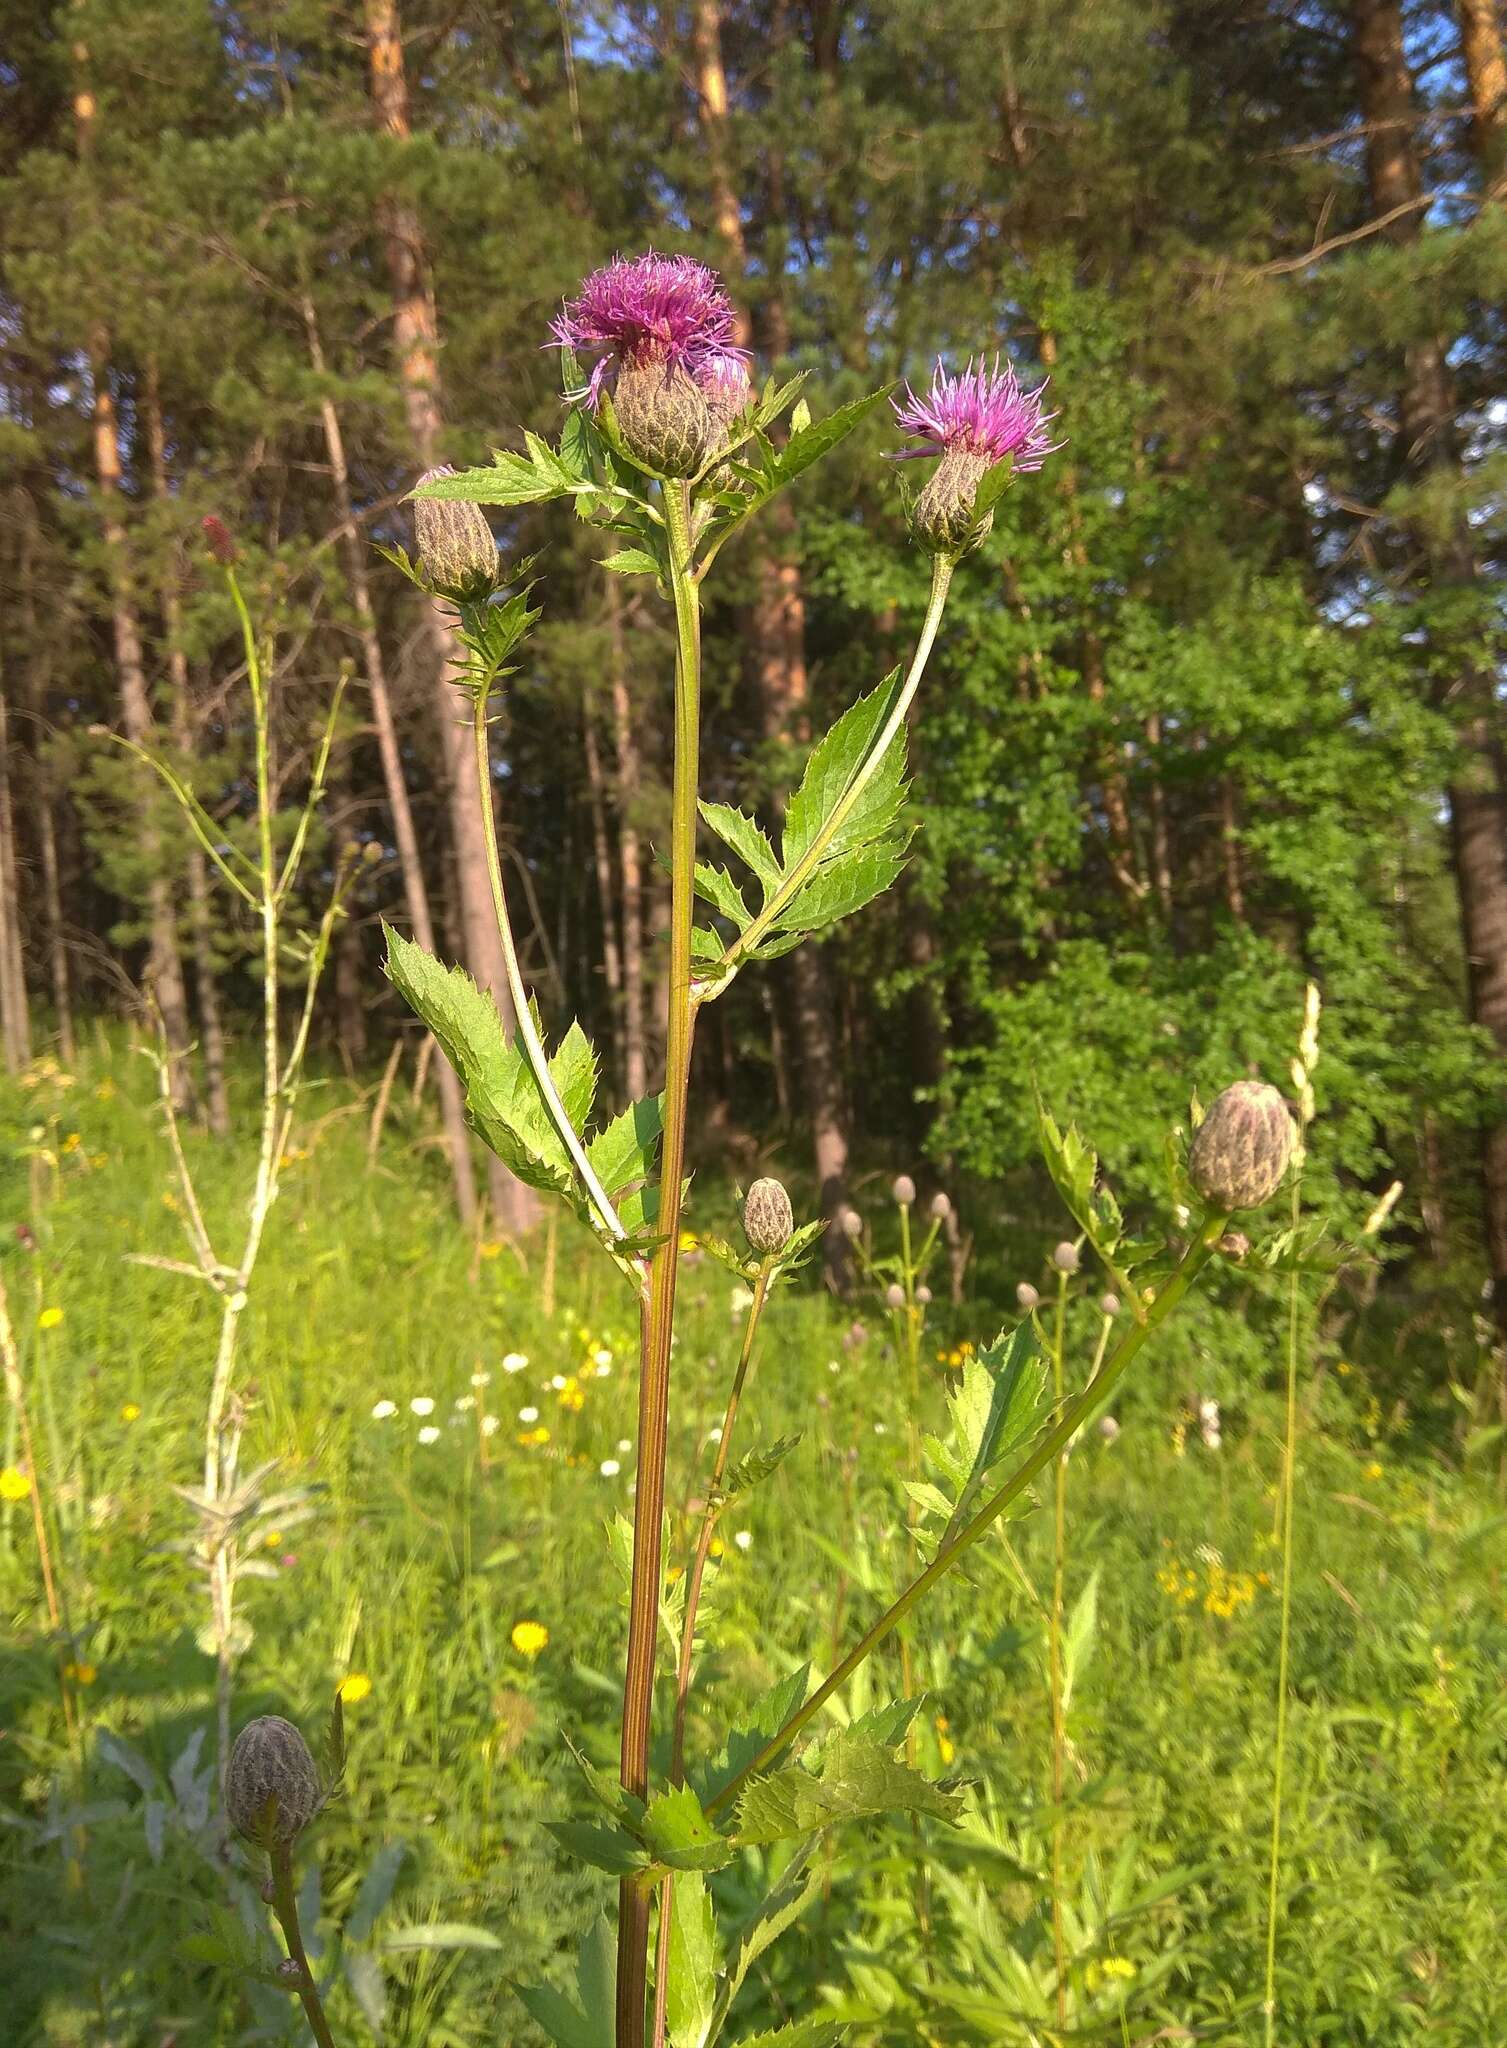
(422, 1558)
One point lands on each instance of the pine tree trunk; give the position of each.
(15, 1017)
(416, 340)
(57, 943)
(211, 1028)
(1477, 811)
(778, 634)
(164, 969)
(1486, 76)
(400, 810)
(629, 853)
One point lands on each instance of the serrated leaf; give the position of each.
(810, 444)
(680, 1836)
(717, 887)
(833, 762)
(691, 1978)
(766, 1718)
(756, 1465)
(803, 2034)
(625, 1150)
(604, 1848)
(747, 839)
(858, 1778)
(839, 886)
(631, 562)
(510, 481)
(779, 1909)
(376, 1890)
(1074, 1169)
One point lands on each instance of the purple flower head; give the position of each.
(667, 311)
(982, 411)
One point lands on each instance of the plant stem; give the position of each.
(659, 1315)
(710, 1516)
(1284, 1635)
(523, 1018)
(285, 1906)
(1054, 1652)
(1192, 1263)
(742, 946)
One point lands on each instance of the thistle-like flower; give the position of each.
(272, 1788)
(457, 553)
(1243, 1147)
(972, 420)
(666, 333)
(767, 1217)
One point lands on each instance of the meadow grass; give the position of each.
(431, 1882)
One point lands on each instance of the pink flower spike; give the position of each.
(982, 412)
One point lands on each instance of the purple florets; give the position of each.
(981, 412)
(668, 312)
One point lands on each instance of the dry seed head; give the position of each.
(767, 1217)
(1065, 1258)
(1242, 1148)
(272, 1788)
(1027, 1296)
(904, 1190)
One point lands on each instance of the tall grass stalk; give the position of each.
(1054, 1648)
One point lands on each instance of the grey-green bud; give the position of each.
(1109, 1304)
(851, 1223)
(457, 553)
(904, 1190)
(767, 1217)
(1065, 1258)
(1027, 1297)
(663, 417)
(272, 1788)
(894, 1295)
(941, 1208)
(943, 518)
(1243, 1147)
(923, 1297)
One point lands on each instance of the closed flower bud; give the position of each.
(457, 554)
(372, 852)
(923, 1296)
(217, 535)
(1109, 1429)
(904, 1190)
(1234, 1244)
(894, 1295)
(271, 1786)
(1065, 1258)
(1027, 1297)
(941, 1208)
(663, 416)
(851, 1223)
(1242, 1148)
(767, 1217)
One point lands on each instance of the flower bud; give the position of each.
(904, 1190)
(941, 1208)
(1234, 1244)
(218, 539)
(457, 553)
(1065, 1258)
(663, 416)
(271, 1786)
(373, 852)
(943, 518)
(894, 1295)
(923, 1296)
(1109, 1429)
(767, 1217)
(851, 1223)
(1109, 1304)
(1242, 1148)
(1027, 1297)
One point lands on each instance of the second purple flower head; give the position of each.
(972, 419)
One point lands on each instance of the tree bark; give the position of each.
(15, 1018)
(1486, 76)
(1477, 810)
(416, 339)
(778, 637)
(164, 969)
(400, 810)
(206, 982)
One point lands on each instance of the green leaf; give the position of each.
(756, 1465)
(1078, 1641)
(810, 444)
(608, 1849)
(679, 1834)
(1074, 1169)
(623, 1152)
(440, 1934)
(841, 885)
(691, 1979)
(717, 887)
(833, 762)
(631, 562)
(510, 481)
(748, 840)
(766, 1718)
(376, 1890)
(804, 2034)
(781, 1908)
(994, 1408)
(858, 1777)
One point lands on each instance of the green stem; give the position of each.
(1054, 1652)
(285, 1906)
(742, 946)
(659, 1319)
(523, 1016)
(1284, 1637)
(1193, 1261)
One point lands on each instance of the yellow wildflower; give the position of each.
(717, 1548)
(529, 1638)
(273, 1539)
(946, 1748)
(531, 1437)
(689, 1241)
(1373, 1470)
(49, 1318)
(353, 1688)
(72, 1142)
(492, 1249)
(105, 1091)
(81, 1674)
(130, 1411)
(14, 1484)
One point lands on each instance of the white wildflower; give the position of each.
(383, 1409)
(609, 1468)
(516, 1361)
(421, 1404)
(429, 1435)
